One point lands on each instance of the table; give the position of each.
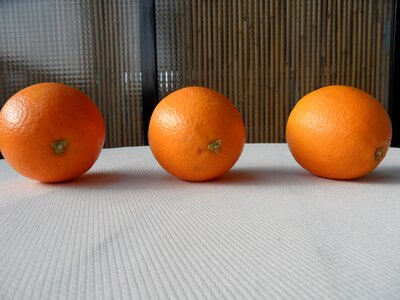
(266, 230)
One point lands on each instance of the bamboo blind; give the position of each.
(92, 45)
(265, 55)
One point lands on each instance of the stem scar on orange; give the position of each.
(339, 132)
(51, 132)
(196, 134)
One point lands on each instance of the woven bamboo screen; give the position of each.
(92, 45)
(265, 55)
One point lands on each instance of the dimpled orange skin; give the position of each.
(339, 132)
(187, 124)
(38, 116)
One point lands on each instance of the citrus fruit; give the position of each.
(338, 132)
(51, 132)
(196, 134)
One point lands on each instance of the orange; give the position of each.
(196, 134)
(51, 132)
(338, 132)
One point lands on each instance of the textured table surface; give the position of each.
(266, 230)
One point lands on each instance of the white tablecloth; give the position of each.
(266, 230)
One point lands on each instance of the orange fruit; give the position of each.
(51, 132)
(338, 132)
(196, 134)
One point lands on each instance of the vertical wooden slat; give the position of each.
(209, 62)
(379, 54)
(277, 70)
(172, 20)
(288, 95)
(262, 67)
(309, 51)
(349, 41)
(298, 50)
(342, 40)
(251, 101)
(236, 77)
(215, 35)
(256, 66)
(293, 55)
(219, 45)
(386, 64)
(199, 34)
(359, 61)
(267, 82)
(205, 43)
(382, 39)
(328, 49)
(240, 62)
(245, 86)
(195, 38)
(333, 49)
(314, 38)
(186, 22)
(363, 52)
(282, 92)
(338, 37)
(231, 59)
(368, 50)
(373, 7)
(181, 79)
(320, 80)
(273, 100)
(278, 55)
(225, 47)
(355, 44)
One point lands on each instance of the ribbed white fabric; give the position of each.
(266, 230)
